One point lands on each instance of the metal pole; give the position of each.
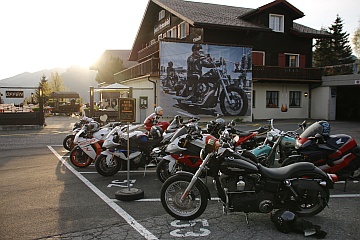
(128, 156)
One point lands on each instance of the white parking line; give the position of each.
(129, 219)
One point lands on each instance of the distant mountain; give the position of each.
(75, 79)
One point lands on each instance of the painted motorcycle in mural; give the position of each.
(214, 87)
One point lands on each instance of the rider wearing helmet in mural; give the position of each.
(195, 62)
(153, 118)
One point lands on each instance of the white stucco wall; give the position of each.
(320, 103)
(260, 111)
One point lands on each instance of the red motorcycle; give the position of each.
(339, 154)
(183, 151)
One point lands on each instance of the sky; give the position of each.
(46, 34)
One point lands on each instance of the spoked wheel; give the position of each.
(308, 206)
(80, 159)
(105, 169)
(68, 142)
(194, 204)
(239, 102)
(162, 170)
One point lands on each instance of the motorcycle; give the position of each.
(88, 144)
(213, 87)
(276, 141)
(244, 186)
(183, 151)
(339, 153)
(117, 144)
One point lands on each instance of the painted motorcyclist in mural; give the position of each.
(207, 84)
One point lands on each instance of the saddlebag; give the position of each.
(308, 187)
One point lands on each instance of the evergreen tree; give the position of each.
(334, 51)
(108, 68)
(46, 90)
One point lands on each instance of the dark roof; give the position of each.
(197, 13)
(64, 95)
(304, 30)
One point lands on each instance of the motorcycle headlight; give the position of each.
(270, 137)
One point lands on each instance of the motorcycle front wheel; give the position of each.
(308, 207)
(162, 170)
(80, 159)
(239, 105)
(105, 169)
(68, 142)
(194, 204)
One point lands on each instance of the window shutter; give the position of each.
(179, 31)
(302, 62)
(187, 29)
(257, 59)
(281, 60)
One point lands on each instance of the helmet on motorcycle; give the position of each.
(94, 126)
(156, 132)
(179, 119)
(325, 128)
(196, 47)
(159, 111)
(284, 220)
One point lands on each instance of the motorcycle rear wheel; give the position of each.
(194, 204)
(68, 142)
(311, 209)
(80, 159)
(107, 170)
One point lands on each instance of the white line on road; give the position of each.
(129, 219)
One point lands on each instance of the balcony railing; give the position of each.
(148, 51)
(286, 73)
(150, 66)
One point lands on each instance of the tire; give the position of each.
(292, 160)
(107, 170)
(68, 142)
(162, 170)
(194, 204)
(80, 159)
(241, 102)
(311, 209)
(131, 194)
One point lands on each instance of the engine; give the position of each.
(242, 195)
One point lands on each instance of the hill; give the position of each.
(75, 79)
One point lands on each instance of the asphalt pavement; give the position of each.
(45, 197)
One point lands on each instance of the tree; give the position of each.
(356, 41)
(56, 83)
(45, 88)
(108, 68)
(336, 50)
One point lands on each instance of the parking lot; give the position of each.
(45, 197)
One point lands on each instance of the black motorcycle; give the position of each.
(214, 86)
(244, 186)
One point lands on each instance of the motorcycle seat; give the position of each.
(287, 171)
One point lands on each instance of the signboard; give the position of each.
(14, 94)
(143, 102)
(127, 108)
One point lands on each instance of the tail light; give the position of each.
(333, 177)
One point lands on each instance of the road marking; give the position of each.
(129, 219)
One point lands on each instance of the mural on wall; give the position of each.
(205, 80)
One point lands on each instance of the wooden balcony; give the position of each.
(274, 73)
(260, 73)
(148, 51)
(150, 66)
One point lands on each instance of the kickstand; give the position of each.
(247, 220)
(145, 170)
(345, 185)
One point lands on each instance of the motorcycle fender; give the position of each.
(324, 176)
(171, 160)
(199, 180)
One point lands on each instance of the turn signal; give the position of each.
(333, 177)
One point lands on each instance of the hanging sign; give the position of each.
(14, 94)
(127, 108)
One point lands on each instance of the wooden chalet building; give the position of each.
(281, 77)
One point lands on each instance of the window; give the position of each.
(272, 99)
(294, 98)
(161, 14)
(183, 30)
(276, 22)
(292, 60)
(172, 33)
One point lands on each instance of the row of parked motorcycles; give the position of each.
(253, 171)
